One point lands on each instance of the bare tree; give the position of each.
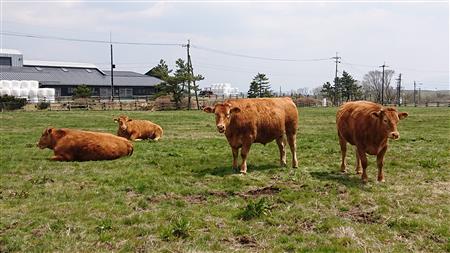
(372, 83)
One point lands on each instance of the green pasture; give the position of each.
(180, 194)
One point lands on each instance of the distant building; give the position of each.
(224, 89)
(65, 76)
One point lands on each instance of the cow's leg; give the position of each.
(244, 152)
(235, 152)
(293, 146)
(380, 163)
(134, 137)
(343, 144)
(281, 141)
(358, 163)
(60, 157)
(363, 158)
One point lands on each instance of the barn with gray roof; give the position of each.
(65, 76)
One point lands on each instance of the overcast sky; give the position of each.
(411, 38)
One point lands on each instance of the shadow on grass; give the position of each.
(336, 176)
(227, 170)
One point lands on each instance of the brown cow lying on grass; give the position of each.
(133, 129)
(77, 145)
(258, 120)
(368, 126)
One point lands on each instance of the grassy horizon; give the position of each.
(180, 193)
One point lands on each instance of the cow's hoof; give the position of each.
(344, 171)
(365, 180)
(283, 165)
(381, 180)
(358, 172)
(243, 173)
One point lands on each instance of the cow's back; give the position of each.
(91, 146)
(145, 128)
(354, 121)
(267, 118)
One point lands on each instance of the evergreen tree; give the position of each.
(259, 87)
(160, 71)
(82, 91)
(329, 91)
(174, 84)
(349, 88)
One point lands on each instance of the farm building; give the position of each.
(65, 76)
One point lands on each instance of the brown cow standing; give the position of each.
(367, 126)
(133, 129)
(257, 120)
(77, 145)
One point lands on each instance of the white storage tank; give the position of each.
(51, 95)
(33, 96)
(46, 95)
(5, 92)
(15, 92)
(6, 84)
(24, 93)
(42, 94)
(24, 84)
(33, 84)
(15, 84)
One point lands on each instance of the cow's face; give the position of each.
(46, 138)
(223, 114)
(122, 120)
(388, 120)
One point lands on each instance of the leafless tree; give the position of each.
(372, 83)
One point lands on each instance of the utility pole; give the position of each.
(336, 58)
(399, 87)
(190, 70)
(188, 46)
(112, 69)
(414, 94)
(419, 95)
(280, 92)
(382, 84)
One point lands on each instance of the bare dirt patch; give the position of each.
(358, 214)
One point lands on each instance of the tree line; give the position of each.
(346, 88)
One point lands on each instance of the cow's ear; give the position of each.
(208, 109)
(49, 130)
(128, 120)
(402, 115)
(235, 110)
(376, 114)
(116, 120)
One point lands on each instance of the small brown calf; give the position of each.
(134, 129)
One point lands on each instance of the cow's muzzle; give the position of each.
(221, 128)
(394, 135)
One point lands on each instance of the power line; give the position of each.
(256, 57)
(35, 36)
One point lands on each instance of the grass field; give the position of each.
(180, 194)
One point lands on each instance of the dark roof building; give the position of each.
(65, 76)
